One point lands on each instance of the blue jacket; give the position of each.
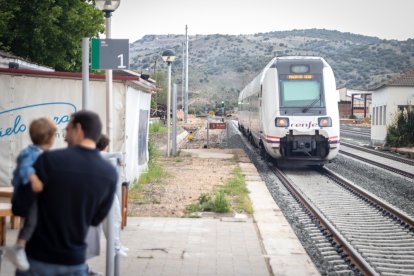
(24, 168)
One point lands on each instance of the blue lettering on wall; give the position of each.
(60, 120)
(18, 125)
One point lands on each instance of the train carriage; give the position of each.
(290, 110)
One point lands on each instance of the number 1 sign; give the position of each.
(110, 54)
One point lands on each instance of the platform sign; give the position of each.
(217, 126)
(110, 54)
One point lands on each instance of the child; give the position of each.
(42, 133)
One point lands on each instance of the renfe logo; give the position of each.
(304, 124)
(19, 125)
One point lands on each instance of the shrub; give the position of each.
(401, 132)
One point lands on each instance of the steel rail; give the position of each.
(382, 154)
(375, 201)
(354, 256)
(398, 171)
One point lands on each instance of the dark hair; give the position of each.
(103, 142)
(90, 123)
(42, 131)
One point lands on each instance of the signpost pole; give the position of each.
(228, 135)
(85, 72)
(174, 120)
(208, 127)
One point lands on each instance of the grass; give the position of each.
(232, 196)
(153, 175)
(157, 128)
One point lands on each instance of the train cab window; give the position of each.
(301, 93)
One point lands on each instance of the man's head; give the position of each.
(83, 125)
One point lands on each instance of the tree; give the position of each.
(49, 32)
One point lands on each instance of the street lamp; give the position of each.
(108, 6)
(112, 264)
(168, 56)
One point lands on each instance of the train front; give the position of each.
(307, 121)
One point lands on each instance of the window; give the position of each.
(380, 116)
(301, 93)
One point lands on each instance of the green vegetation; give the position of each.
(157, 128)
(153, 175)
(401, 132)
(232, 196)
(49, 32)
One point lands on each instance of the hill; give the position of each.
(221, 65)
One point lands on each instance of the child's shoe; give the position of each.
(17, 256)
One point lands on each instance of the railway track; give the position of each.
(366, 131)
(403, 172)
(379, 153)
(375, 237)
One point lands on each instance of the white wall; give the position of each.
(390, 98)
(26, 97)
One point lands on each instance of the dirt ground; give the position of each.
(188, 176)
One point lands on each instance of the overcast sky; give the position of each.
(387, 19)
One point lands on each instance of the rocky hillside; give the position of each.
(221, 65)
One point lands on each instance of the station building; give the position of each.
(387, 100)
(30, 91)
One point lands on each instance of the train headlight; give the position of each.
(282, 122)
(325, 122)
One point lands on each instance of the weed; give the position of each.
(221, 205)
(157, 127)
(233, 195)
(153, 175)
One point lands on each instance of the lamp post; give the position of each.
(112, 264)
(168, 56)
(108, 6)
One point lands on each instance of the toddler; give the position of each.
(42, 133)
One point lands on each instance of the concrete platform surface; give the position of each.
(262, 245)
(182, 246)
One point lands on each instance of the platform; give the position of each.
(264, 244)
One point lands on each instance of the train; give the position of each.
(290, 111)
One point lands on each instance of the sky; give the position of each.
(386, 19)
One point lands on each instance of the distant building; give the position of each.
(387, 99)
(354, 103)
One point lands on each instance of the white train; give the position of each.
(290, 110)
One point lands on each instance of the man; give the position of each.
(79, 187)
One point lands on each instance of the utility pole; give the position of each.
(182, 82)
(186, 76)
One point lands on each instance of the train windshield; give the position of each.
(301, 93)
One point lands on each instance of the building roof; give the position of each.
(127, 76)
(8, 60)
(405, 79)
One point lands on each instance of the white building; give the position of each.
(397, 94)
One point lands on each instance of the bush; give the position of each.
(401, 132)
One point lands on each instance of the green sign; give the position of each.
(110, 54)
